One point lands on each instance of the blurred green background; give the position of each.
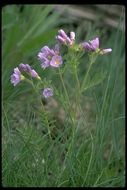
(25, 30)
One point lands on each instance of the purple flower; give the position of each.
(61, 39)
(47, 92)
(25, 67)
(56, 61)
(16, 77)
(57, 49)
(45, 55)
(46, 51)
(104, 51)
(29, 70)
(34, 74)
(50, 57)
(44, 59)
(62, 34)
(64, 39)
(45, 64)
(72, 35)
(91, 45)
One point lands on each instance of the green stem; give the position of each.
(42, 106)
(85, 78)
(76, 74)
(77, 93)
(90, 160)
(66, 94)
(93, 59)
(65, 90)
(48, 128)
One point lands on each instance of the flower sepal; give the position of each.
(97, 50)
(39, 78)
(22, 77)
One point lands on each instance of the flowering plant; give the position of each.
(53, 57)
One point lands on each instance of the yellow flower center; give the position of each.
(57, 61)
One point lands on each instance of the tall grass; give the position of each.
(95, 157)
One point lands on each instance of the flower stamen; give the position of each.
(57, 62)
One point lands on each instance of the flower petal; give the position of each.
(72, 35)
(105, 51)
(56, 61)
(47, 92)
(95, 43)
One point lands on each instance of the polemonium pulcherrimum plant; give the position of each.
(55, 59)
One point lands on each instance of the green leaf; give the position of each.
(40, 40)
(95, 80)
(33, 28)
(115, 168)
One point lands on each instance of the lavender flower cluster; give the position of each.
(93, 45)
(16, 77)
(52, 58)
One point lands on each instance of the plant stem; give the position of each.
(85, 78)
(65, 90)
(66, 94)
(43, 109)
(90, 160)
(77, 93)
(92, 60)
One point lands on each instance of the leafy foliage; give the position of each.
(44, 149)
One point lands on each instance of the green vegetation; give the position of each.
(95, 156)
